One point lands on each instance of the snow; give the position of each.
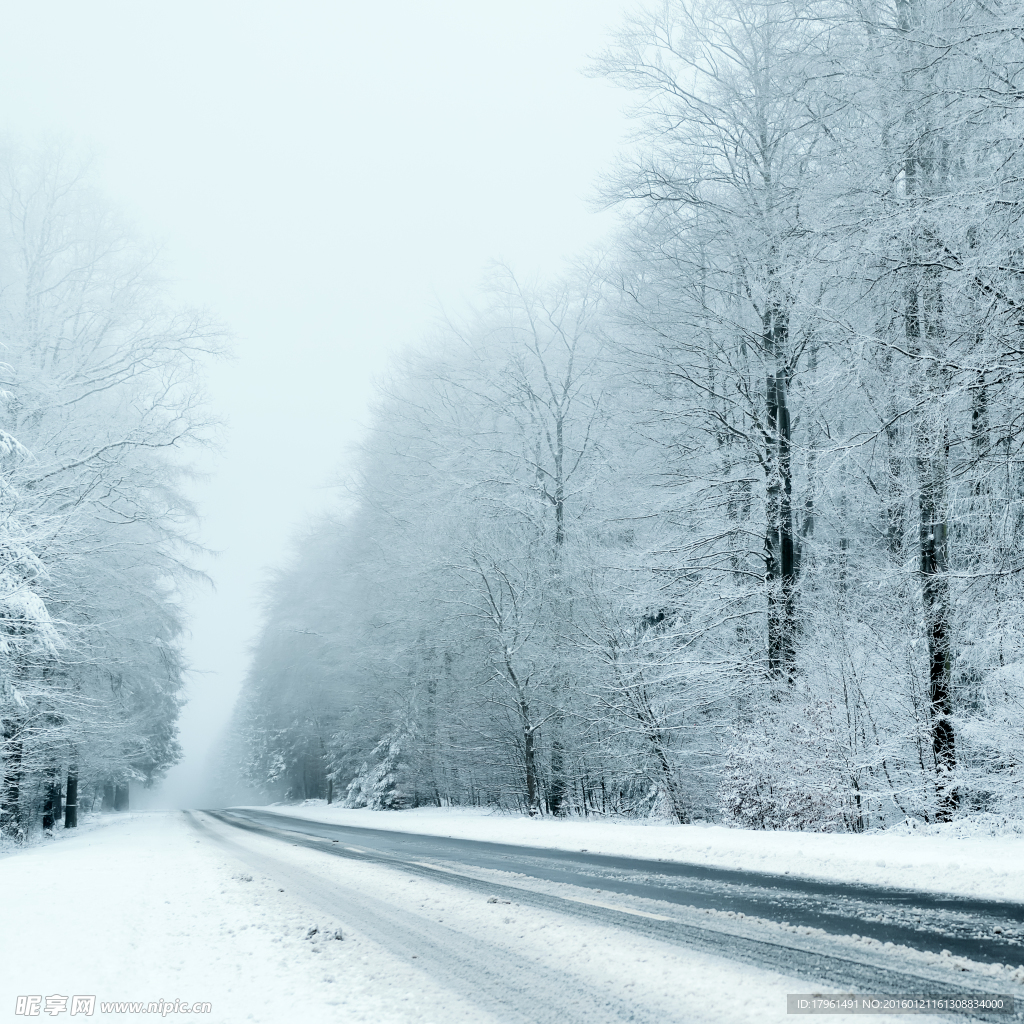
(673, 982)
(143, 907)
(940, 860)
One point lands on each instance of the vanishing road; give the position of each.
(833, 936)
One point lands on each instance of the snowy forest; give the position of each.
(101, 394)
(726, 523)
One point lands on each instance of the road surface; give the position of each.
(830, 936)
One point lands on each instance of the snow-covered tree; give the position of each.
(727, 523)
(102, 394)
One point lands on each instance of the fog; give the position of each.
(325, 178)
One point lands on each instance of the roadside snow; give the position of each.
(137, 907)
(983, 866)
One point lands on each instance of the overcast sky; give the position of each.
(324, 177)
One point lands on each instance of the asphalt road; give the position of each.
(682, 894)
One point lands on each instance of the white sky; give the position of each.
(325, 176)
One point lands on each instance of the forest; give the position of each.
(101, 397)
(721, 524)
(724, 524)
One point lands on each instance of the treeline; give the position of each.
(100, 394)
(728, 522)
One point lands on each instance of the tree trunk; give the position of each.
(530, 760)
(330, 791)
(10, 795)
(48, 810)
(71, 804)
(923, 324)
(670, 784)
(108, 797)
(935, 593)
(559, 787)
(52, 807)
(556, 795)
(529, 739)
(121, 798)
(923, 168)
(780, 563)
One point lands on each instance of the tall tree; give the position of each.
(103, 394)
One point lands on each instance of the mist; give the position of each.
(327, 179)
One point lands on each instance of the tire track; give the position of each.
(839, 973)
(515, 989)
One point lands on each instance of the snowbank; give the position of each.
(938, 860)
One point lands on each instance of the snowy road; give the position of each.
(167, 906)
(980, 930)
(834, 937)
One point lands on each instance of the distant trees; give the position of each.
(462, 557)
(101, 396)
(727, 526)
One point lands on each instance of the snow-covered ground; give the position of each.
(139, 907)
(932, 860)
(144, 907)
